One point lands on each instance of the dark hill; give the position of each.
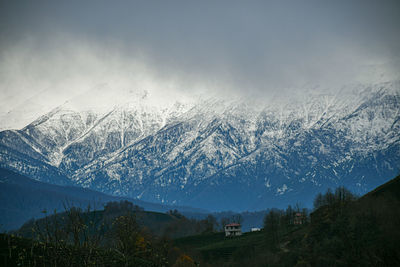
(364, 232)
(390, 189)
(23, 198)
(155, 222)
(361, 232)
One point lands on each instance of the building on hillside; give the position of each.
(233, 229)
(255, 229)
(298, 218)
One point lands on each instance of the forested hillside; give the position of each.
(343, 230)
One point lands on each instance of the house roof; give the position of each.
(233, 224)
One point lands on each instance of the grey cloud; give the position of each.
(247, 46)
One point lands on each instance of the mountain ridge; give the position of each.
(269, 155)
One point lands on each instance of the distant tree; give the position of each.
(329, 197)
(305, 215)
(224, 221)
(341, 195)
(121, 206)
(175, 213)
(129, 241)
(237, 218)
(75, 225)
(272, 224)
(289, 215)
(344, 195)
(318, 201)
(210, 223)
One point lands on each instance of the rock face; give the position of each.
(218, 154)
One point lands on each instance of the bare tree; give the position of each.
(237, 218)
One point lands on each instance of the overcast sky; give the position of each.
(245, 47)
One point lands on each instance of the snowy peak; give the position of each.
(211, 150)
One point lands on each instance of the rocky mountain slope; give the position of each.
(215, 153)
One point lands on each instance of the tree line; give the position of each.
(77, 237)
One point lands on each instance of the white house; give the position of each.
(255, 229)
(233, 229)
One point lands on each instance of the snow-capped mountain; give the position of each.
(215, 153)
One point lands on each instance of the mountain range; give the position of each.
(217, 153)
